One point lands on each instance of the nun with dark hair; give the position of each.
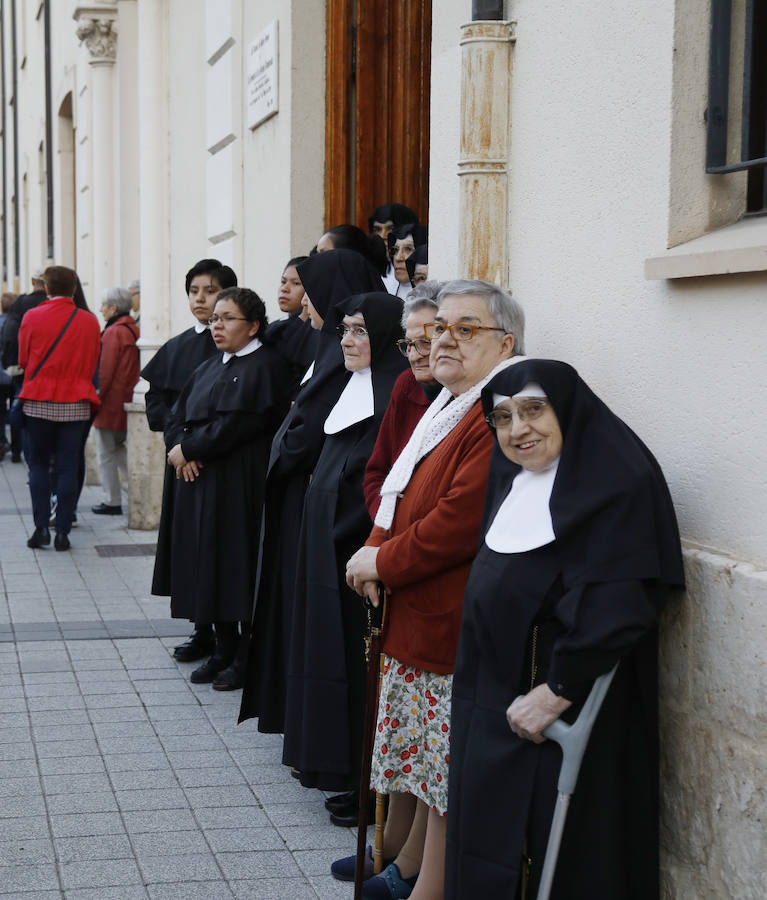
(326, 673)
(218, 437)
(388, 216)
(349, 237)
(292, 336)
(403, 242)
(580, 550)
(417, 265)
(327, 278)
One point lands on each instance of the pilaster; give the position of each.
(485, 143)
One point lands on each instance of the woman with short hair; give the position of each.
(218, 439)
(117, 376)
(421, 548)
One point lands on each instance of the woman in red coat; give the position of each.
(59, 352)
(425, 537)
(118, 374)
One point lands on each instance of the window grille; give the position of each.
(753, 142)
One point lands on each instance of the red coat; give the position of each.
(406, 406)
(118, 372)
(426, 555)
(67, 375)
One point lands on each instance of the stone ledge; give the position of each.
(741, 247)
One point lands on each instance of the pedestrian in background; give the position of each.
(6, 382)
(58, 350)
(118, 374)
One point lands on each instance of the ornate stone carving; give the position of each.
(99, 34)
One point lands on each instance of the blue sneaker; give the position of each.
(343, 869)
(389, 885)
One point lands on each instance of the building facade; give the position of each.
(568, 157)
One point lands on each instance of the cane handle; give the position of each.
(574, 738)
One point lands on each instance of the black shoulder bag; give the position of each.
(16, 412)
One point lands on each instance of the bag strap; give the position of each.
(53, 346)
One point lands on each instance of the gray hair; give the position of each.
(118, 297)
(135, 285)
(503, 308)
(422, 296)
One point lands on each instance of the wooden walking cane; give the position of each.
(373, 643)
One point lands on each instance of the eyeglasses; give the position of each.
(528, 411)
(459, 331)
(421, 345)
(225, 319)
(356, 331)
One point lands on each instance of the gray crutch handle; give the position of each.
(573, 738)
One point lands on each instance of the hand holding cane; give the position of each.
(573, 740)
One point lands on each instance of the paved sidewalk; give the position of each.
(118, 778)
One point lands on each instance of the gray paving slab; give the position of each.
(118, 777)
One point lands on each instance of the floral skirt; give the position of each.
(412, 745)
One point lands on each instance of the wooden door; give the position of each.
(378, 70)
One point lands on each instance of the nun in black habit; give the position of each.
(167, 372)
(327, 278)
(218, 440)
(580, 550)
(326, 673)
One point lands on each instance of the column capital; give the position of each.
(97, 29)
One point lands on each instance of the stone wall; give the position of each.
(713, 732)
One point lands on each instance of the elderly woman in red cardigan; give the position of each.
(421, 548)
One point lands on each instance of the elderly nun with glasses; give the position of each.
(421, 549)
(579, 551)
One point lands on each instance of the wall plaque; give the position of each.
(262, 76)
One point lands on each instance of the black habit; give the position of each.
(225, 417)
(563, 614)
(167, 372)
(328, 278)
(326, 672)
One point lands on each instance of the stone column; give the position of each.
(146, 449)
(97, 29)
(485, 141)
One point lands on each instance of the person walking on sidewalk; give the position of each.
(118, 374)
(59, 351)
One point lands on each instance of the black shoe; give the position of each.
(207, 672)
(229, 679)
(41, 537)
(197, 647)
(102, 509)
(345, 820)
(342, 801)
(61, 542)
(348, 816)
(15, 457)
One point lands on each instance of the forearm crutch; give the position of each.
(573, 740)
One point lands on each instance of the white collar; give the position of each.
(199, 327)
(308, 374)
(523, 521)
(355, 404)
(250, 347)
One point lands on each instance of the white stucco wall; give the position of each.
(590, 173)
(589, 201)
(283, 189)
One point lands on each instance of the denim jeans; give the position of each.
(62, 442)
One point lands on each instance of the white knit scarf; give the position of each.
(435, 425)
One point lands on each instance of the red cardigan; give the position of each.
(67, 375)
(118, 373)
(406, 406)
(425, 557)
